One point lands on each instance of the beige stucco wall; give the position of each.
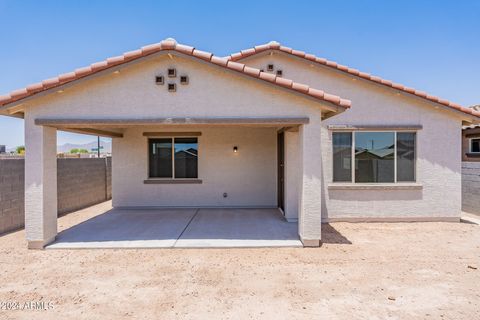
(292, 174)
(211, 92)
(438, 144)
(248, 176)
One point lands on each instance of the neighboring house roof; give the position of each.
(379, 153)
(171, 45)
(476, 107)
(473, 126)
(275, 46)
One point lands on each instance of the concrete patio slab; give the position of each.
(219, 228)
(182, 228)
(470, 218)
(121, 228)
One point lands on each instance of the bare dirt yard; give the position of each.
(362, 271)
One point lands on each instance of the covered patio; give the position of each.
(180, 228)
(188, 132)
(238, 187)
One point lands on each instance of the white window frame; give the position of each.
(352, 165)
(173, 157)
(470, 145)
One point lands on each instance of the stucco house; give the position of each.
(266, 127)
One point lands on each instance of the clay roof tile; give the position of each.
(331, 98)
(286, 49)
(251, 71)
(298, 53)
(133, 54)
(83, 71)
(35, 87)
(235, 66)
(316, 93)
(168, 44)
(18, 93)
(115, 60)
(184, 49)
(220, 61)
(261, 48)
(274, 45)
(99, 65)
(151, 48)
(202, 54)
(67, 76)
(284, 82)
(300, 87)
(267, 76)
(50, 82)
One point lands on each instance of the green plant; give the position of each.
(76, 150)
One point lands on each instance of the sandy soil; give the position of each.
(363, 271)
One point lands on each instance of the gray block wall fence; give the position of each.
(12, 195)
(471, 187)
(80, 183)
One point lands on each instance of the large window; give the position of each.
(475, 145)
(378, 157)
(173, 158)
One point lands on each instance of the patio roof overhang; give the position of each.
(113, 127)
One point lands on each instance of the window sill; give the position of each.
(375, 186)
(172, 181)
(473, 154)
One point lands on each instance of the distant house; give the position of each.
(2, 148)
(471, 141)
(268, 130)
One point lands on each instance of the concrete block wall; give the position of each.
(80, 183)
(12, 185)
(471, 187)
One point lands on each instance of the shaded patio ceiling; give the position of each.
(112, 127)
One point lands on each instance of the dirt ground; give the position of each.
(362, 271)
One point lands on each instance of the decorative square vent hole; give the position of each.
(184, 79)
(172, 73)
(159, 80)
(270, 67)
(172, 87)
(279, 73)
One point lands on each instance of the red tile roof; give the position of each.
(166, 45)
(275, 46)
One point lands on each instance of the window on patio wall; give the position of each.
(475, 145)
(378, 157)
(173, 158)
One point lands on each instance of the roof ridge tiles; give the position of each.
(171, 44)
(273, 45)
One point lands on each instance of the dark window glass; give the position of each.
(342, 156)
(406, 156)
(374, 157)
(160, 158)
(475, 145)
(186, 158)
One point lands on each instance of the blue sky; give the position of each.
(430, 45)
